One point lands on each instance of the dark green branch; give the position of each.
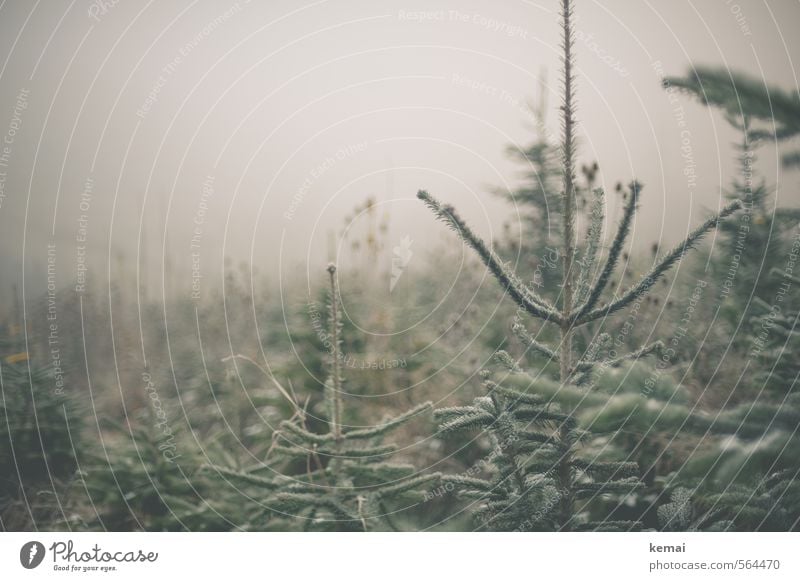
(526, 299)
(667, 262)
(593, 236)
(614, 252)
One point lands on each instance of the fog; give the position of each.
(167, 137)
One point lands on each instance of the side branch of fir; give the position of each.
(539, 477)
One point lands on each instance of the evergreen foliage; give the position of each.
(745, 477)
(537, 197)
(777, 338)
(539, 202)
(738, 470)
(570, 429)
(539, 475)
(770, 504)
(541, 173)
(345, 480)
(743, 99)
(753, 241)
(134, 485)
(534, 452)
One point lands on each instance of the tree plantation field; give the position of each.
(575, 370)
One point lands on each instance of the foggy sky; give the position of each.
(182, 132)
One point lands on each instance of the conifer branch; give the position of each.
(613, 253)
(340, 511)
(538, 439)
(515, 395)
(520, 331)
(609, 470)
(667, 262)
(477, 484)
(294, 451)
(374, 452)
(380, 471)
(445, 414)
(644, 351)
(390, 424)
(541, 415)
(626, 486)
(506, 360)
(245, 477)
(409, 484)
(524, 297)
(303, 434)
(294, 501)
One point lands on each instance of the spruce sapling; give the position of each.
(348, 482)
(539, 477)
(742, 97)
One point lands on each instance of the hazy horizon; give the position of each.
(269, 124)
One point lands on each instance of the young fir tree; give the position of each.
(140, 482)
(744, 99)
(771, 504)
(777, 337)
(755, 461)
(536, 197)
(756, 242)
(748, 481)
(346, 481)
(539, 473)
(753, 242)
(710, 456)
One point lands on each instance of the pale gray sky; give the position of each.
(300, 110)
